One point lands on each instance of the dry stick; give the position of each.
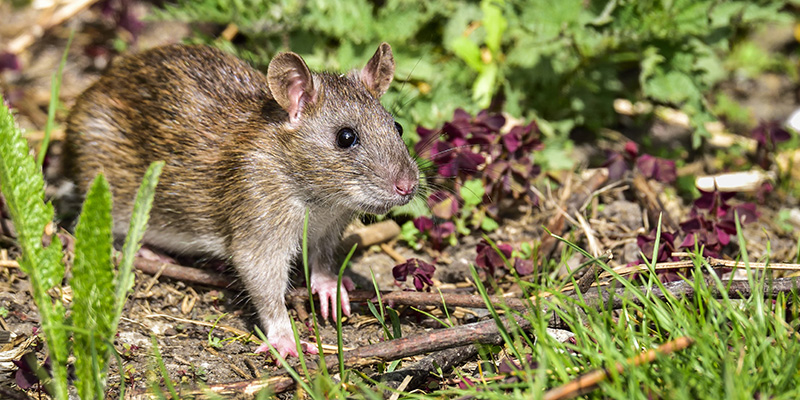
(421, 370)
(588, 381)
(397, 297)
(589, 276)
(713, 262)
(21, 42)
(179, 272)
(650, 200)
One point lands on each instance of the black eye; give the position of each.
(346, 138)
(399, 128)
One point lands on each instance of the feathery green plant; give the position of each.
(98, 293)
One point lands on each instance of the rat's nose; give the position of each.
(405, 187)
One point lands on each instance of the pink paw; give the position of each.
(325, 287)
(286, 347)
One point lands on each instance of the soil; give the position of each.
(194, 324)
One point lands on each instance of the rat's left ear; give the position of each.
(379, 71)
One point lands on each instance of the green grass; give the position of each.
(742, 348)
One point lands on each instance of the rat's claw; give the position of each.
(286, 347)
(325, 287)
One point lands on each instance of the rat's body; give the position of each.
(246, 155)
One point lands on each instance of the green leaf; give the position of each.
(468, 51)
(485, 85)
(139, 218)
(93, 289)
(472, 193)
(22, 186)
(494, 22)
(673, 86)
(488, 224)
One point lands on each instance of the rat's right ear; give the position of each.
(291, 84)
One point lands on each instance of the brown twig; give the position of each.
(478, 332)
(588, 381)
(179, 272)
(419, 371)
(423, 299)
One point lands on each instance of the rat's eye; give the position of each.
(346, 138)
(399, 128)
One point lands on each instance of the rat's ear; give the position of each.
(291, 84)
(379, 71)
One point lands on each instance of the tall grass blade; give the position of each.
(55, 89)
(339, 339)
(139, 218)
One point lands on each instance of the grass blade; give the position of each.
(55, 89)
(139, 218)
(339, 340)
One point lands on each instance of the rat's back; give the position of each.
(178, 104)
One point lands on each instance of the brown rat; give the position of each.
(246, 154)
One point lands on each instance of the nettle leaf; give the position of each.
(93, 288)
(350, 19)
(671, 86)
(22, 186)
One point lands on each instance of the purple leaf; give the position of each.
(9, 61)
(657, 168)
(631, 150)
(617, 166)
(489, 259)
(512, 140)
(423, 224)
(443, 205)
(420, 270)
(523, 267)
(465, 383)
(769, 134)
(492, 122)
(666, 245)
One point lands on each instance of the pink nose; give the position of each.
(405, 187)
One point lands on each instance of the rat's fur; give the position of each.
(246, 154)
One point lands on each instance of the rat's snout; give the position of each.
(405, 186)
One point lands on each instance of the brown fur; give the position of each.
(239, 174)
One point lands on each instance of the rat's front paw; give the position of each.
(325, 286)
(286, 346)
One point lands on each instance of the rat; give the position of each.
(247, 154)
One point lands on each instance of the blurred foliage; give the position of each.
(560, 61)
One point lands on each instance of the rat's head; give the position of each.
(349, 149)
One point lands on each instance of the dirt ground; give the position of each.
(196, 325)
